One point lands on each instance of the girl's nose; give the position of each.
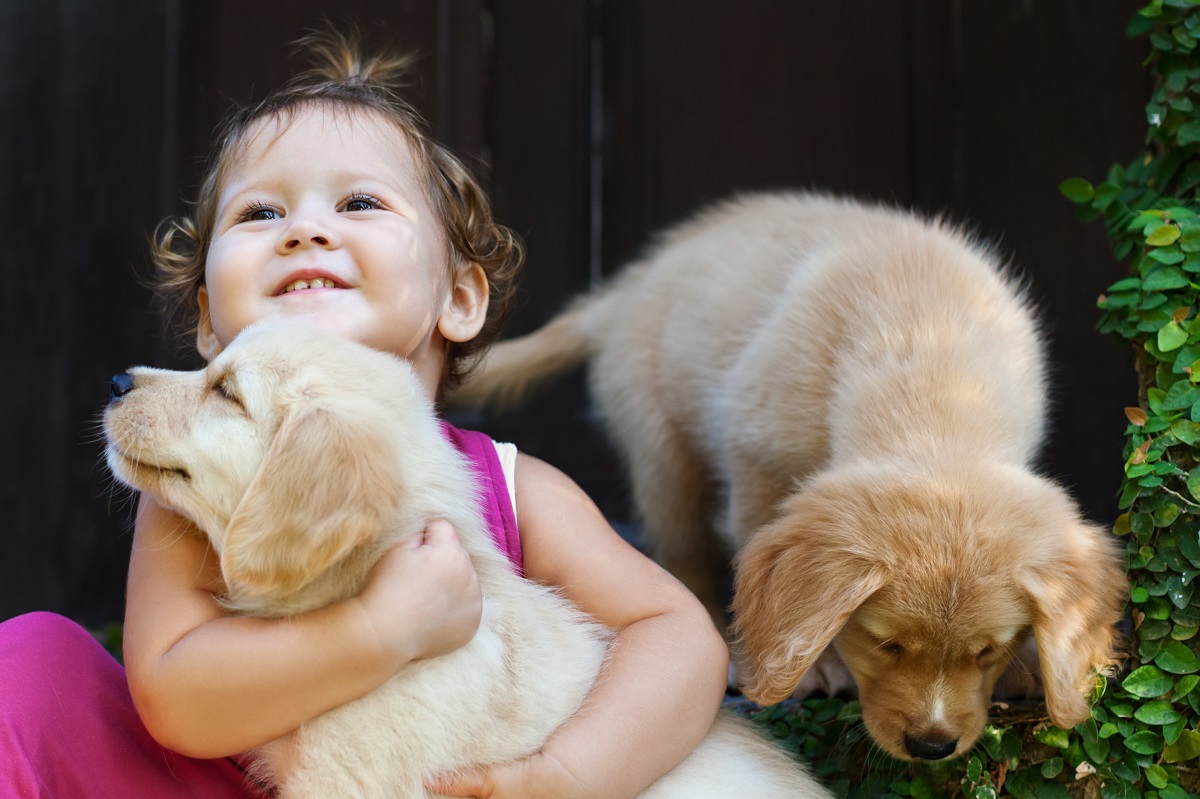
(304, 233)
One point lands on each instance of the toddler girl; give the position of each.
(327, 200)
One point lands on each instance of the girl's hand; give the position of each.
(539, 776)
(423, 596)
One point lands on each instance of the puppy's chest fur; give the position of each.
(465, 708)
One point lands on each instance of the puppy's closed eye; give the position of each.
(225, 388)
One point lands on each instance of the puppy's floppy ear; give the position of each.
(797, 584)
(1077, 597)
(326, 486)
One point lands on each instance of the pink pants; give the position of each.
(68, 729)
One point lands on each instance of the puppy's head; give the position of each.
(283, 451)
(928, 584)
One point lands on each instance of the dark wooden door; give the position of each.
(593, 123)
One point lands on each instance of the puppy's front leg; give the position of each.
(828, 676)
(1022, 678)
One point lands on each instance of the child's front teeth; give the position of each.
(315, 283)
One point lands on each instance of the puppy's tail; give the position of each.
(513, 369)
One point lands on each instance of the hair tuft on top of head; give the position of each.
(341, 57)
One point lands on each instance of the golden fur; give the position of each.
(304, 457)
(850, 398)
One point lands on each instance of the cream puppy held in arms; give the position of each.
(303, 457)
(849, 400)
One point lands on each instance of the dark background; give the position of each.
(593, 123)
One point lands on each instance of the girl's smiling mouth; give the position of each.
(307, 281)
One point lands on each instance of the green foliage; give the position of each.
(1143, 738)
(1151, 209)
(110, 636)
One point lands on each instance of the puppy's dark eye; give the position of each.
(986, 653)
(892, 648)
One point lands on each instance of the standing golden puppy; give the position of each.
(850, 398)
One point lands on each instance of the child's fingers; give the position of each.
(439, 531)
(463, 783)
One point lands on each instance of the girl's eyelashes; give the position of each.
(256, 212)
(361, 201)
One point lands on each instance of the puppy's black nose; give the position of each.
(120, 385)
(928, 749)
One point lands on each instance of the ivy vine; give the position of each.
(1143, 738)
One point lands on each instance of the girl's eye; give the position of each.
(257, 212)
(361, 202)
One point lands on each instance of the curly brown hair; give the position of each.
(345, 79)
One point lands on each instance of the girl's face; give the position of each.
(323, 216)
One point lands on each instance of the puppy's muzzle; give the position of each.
(120, 385)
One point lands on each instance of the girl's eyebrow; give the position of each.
(235, 191)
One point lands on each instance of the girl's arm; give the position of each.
(209, 684)
(664, 680)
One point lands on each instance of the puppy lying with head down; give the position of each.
(304, 457)
(849, 398)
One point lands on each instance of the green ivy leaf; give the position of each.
(1122, 788)
(985, 791)
(1184, 686)
(1190, 240)
(1158, 713)
(1181, 395)
(1189, 542)
(1172, 730)
(1122, 710)
(1167, 514)
(1171, 337)
(1154, 629)
(1166, 278)
(1052, 736)
(1144, 743)
(1179, 591)
(1186, 748)
(1163, 235)
(1147, 682)
(1077, 190)
(1189, 616)
(1052, 768)
(1097, 749)
(1177, 658)
(1167, 255)
(1130, 283)
(1156, 606)
(1181, 632)
(1173, 791)
(1156, 775)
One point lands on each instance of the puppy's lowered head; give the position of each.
(286, 451)
(928, 581)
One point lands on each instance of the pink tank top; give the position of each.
(494, 499)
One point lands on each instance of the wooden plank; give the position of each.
(540, 118)
(1051, 91)
(706, 98)
(234, 54)
(82, 90)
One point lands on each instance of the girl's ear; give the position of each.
(206, 340)
(466, 306)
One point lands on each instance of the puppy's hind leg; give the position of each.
(672, 493)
